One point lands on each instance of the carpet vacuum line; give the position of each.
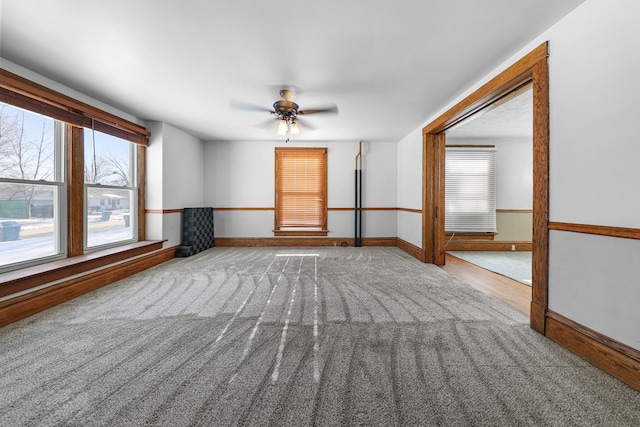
(254, 331)
(283, 336)
(244, 303)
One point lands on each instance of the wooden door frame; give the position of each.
(531, 69)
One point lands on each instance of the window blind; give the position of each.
(301, 188)
(470, 190)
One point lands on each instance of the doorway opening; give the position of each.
(531, 70)
(489, 187)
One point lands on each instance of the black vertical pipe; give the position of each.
(357, 241)
(355, 210)
(360, 207)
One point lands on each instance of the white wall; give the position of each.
(594, 151)
(410, 187)
(514, 168)
(154, 163)
(174, 180)
(182, 169)
(241, 175)
(594, 281)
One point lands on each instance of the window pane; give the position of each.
(107, 221)
(27, 145)
(470, 190)
(300, 188)
(107, 160)
(29, 221)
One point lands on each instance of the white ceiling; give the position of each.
(387, 65)
(512, 119)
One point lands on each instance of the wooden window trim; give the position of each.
(304, 230)
(26, 94)
(22, 93)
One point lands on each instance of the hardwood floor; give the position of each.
(512, 293)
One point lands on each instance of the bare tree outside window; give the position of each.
(106, 163)
(109, 187)
(27, 151)
(31, 185)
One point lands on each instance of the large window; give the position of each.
(69, 182)
(110, 189)
(301, 191)
(470, 190)
(32, 189)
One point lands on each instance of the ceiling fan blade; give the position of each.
(329, 109)
(267, 124)
(247, 106)
(304, 124)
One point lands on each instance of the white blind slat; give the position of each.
(470, 190)
(300, 187)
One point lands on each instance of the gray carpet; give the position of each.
(514, 265)
(365, 336)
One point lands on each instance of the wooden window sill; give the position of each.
(300, 233)
(21, 280)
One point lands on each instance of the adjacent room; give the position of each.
(489, 190)
(319, 213)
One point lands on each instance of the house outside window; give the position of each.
(110, 190)
(32, 188)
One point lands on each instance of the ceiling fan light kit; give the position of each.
(286, 112)
(283, 127)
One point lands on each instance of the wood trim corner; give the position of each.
(411, 249)
(537, 317)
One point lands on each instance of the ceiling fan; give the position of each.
(286, 112)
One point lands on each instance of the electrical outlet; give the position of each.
(513, 247)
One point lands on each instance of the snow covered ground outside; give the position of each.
(37, 237)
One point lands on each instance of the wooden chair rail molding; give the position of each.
(600, 230)
(164, 211)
